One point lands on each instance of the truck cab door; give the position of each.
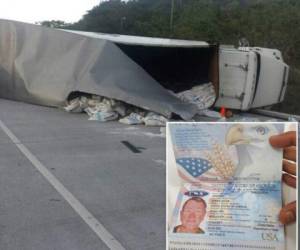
(237, 78)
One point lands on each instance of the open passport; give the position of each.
(228, 189)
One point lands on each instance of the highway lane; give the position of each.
(123, 190)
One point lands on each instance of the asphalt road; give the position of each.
(123, 191)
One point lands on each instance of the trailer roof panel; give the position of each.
(143, 41)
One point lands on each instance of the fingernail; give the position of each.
(271, 139)
(289, 217)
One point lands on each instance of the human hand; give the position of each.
(287, 141)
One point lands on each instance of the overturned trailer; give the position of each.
(46, 66)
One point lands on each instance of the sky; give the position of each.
(32, 11)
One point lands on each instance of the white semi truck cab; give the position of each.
(251, 77)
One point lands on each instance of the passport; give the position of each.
(229, 194)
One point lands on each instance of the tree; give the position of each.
(54, 24)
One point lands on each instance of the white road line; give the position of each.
(94, 224)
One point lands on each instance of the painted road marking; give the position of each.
(93, 223)
(132, 148)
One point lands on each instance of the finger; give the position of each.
(289, 167)
(290, 153)
(288, 213)
(283, 140)
(289, 180)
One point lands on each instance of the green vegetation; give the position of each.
(54, 24)
(265, 23)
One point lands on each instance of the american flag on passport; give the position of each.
(192, 168)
